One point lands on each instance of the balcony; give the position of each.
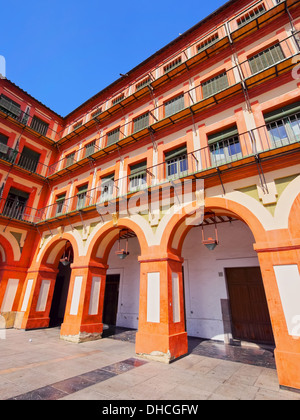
(24, 162)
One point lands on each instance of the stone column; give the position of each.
(161, 335)
(83, 315)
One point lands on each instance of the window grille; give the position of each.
(118, 99)
(39, 126)
(143, 83)
(224, 147)
(141, 122)
(251, 15)
(215, 85)
(172, 65)
(70, 159)
(90, 148)
(10, 107)
(208, 42)
(266, 58)
(81, 196)
(138, 176)
(174, 105)
(113, 136)
(60, 202)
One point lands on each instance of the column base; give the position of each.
(288, 369)
(82, 333)
(161, 348)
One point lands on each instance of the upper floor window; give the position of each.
(81, 196)
(60, 204)
(70, 159)
(266, 58)
(138, 176)
(113, 136)
(29, 159)
(77, 125)
(215, 85)
(15, 203)
(174, 105)
(143, 83)
(90, 148)
(224, 146)
(118, 99)
(141, 122)
(283, 125)
(96, 113)
(39, 126)
(107, 187)
(10, 107)
(172, 64)
(176, 162)
(251, 15)
(208, 42)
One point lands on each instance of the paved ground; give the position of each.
(38, 365)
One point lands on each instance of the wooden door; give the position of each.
(249, 309)
(111, 298)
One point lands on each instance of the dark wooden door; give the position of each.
(111, 298)
(248, 303)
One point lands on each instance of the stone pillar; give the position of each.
(161, 335)
(281, 276)
(84, 309)
(36, 299)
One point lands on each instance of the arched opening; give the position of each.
(64, 260)
(224, 292)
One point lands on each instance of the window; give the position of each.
(90, 148)
(60, 204)
(172, 65)
(143, 83)
(208, 42)
(3, 146)
(283, 125)
(118, 99)
(29, 159)
(107, 188)
(251, 15)
(70, 159)
(10, 107)
(224, 147)
(113, 136)
(81, 196)
(77, 125)
(39, 126)
(141, 122)
(215, 85)
(96, 113)
(174, 105)
(266, 58)
(176, 163)
(138, 176)
(15, 204)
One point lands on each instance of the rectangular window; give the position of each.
(208, 42)
(251, 15)
(90, 148)
(283, 125)
(60, 204)
(138, 176)
(29, 159)
(224, 147)
(172, 65)
(266, 58)
(10, 107)
(215, 85)
(141, 122)
(107, 188)
(176, 163)
(143, 83)
(113, 136)
(39, 126)
(70, 159)
(96, 113)
(118, 99)
(174, 105)
(77, 125)
(15, 204)
(81, 196)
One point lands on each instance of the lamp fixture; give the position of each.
(122, 253)
(210, 243)
(66, 258)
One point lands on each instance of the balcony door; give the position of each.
(15, 204)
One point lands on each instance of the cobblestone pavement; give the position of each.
(39, 365)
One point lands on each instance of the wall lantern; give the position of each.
(210, 243)
(66, 258)
(122, 253)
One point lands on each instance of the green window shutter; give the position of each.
(70, 159)
(174, 105)
(282, 112)
(113, 136)
(223, 135)
(139, 167)
(181, 151)
(266, 58)
(90, 148)
(141, 122)
(215, 85)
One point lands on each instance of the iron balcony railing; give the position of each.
(13, 157)
(223, 152)
(18, 210)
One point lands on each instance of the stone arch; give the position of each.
(50, 253)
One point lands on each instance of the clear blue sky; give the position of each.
(63, 52)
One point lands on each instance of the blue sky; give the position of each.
(63, 52)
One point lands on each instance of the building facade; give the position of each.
(169, 201)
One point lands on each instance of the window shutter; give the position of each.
(139, 167)
(141, 122)
(223, 135)
(266, 58)
(215, 85)
(174, 105)
(282, 112)
(181, 151)
(113, 136)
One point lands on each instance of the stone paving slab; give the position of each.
(38, 365)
